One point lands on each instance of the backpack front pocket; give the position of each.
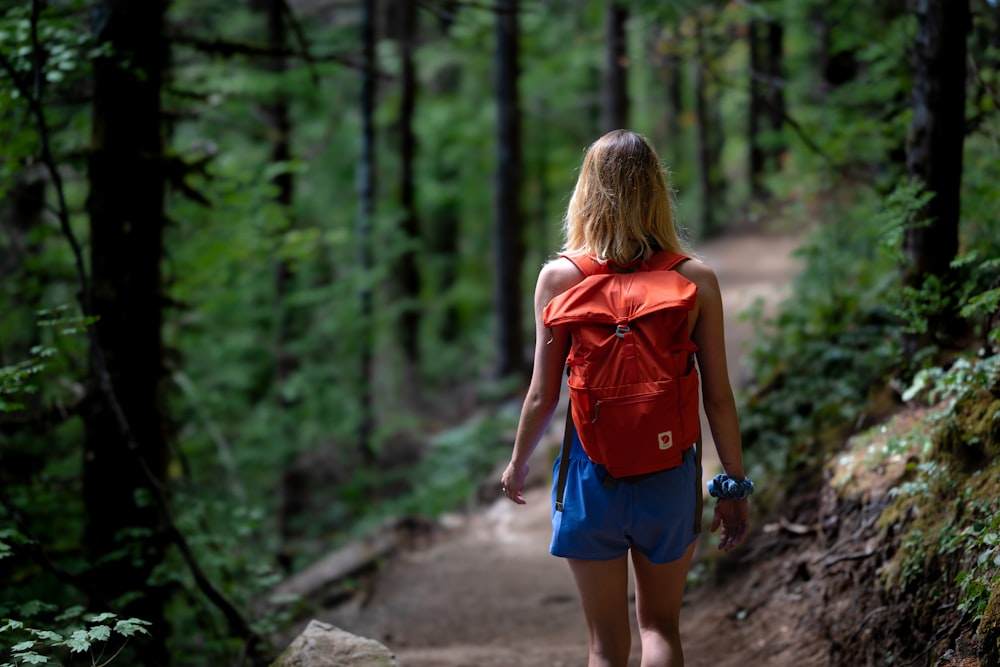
(639, 431)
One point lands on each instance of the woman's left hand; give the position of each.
(512, 482)
(734, 517)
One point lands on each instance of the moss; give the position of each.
(971, 435)
(989, 630)
(943, 490)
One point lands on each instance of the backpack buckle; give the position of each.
(621, 330)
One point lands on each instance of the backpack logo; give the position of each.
(666, 439)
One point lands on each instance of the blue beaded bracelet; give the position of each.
(727, 488)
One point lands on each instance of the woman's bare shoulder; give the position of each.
(700, 274)
(557, 276)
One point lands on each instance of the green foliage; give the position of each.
(93, 634)
(457, 465)
(19, 378)
(830, 342)
(982, 542)
(949, 384)
(900, 213)
(265, 377)
(946, 515)
(973, 283)
(980, 297)
(14, 379)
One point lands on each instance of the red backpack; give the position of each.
(633, 386)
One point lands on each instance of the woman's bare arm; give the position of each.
(551, 348)
(708, 334)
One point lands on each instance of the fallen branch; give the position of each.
(352, 558)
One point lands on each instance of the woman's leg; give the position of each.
(659, 591)
(603, 586)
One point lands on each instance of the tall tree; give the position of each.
(366, 197)
(509, 246)
(674, 73)
(775, 63)
(755, 111)
(709, 137)
(934, 158)
(279, 129)
(408, 273)
(126, 443)
(767, 101)
(614, 93)
(443, 218)
(817, 17)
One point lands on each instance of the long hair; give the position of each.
(621, 209)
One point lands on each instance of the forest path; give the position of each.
(485, 592)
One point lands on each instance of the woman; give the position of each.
(620, 212)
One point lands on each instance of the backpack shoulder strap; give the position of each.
(666, 260)
(586, 264)
(567, 445)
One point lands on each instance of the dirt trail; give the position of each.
(486, 592)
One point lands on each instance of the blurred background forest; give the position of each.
(266, 267)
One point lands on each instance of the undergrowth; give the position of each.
(830, 363)
(949, 509)
(934, 472)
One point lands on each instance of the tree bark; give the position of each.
(614, 107)
(775, 91)
(767, 101)
(934, 158)
(366, 196)
(708, 144)
(755, 112)
(124, 537)
(408, 273)
(278, 116)
(509, 247)
(675, 92)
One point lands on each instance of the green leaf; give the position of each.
(130, 626)
(22, 646)
(79, 641)
(100, 618)
(12, 625)
(101, 633)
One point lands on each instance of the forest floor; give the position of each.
(483, 590)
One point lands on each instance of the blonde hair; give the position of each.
(621, 209)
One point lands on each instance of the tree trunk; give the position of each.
(278, 117)
(614, 107)
(408, 273)
(775, 91)
(707, 145)
(675, 93)
(755, 112)
(937, 133)
(767, 102)
(821, 48)
(123, 535)
(509, 248)
(443, 219)
(366, 196)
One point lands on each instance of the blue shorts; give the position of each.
(654, 516)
